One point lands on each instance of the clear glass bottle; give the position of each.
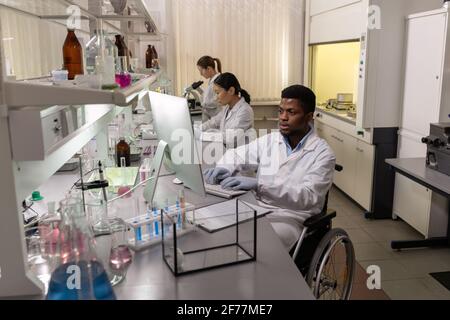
(73, 55)
(79, 274)
(93, 49)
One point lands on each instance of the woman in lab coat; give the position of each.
(237, 117)
(207, 67)
(295, 167)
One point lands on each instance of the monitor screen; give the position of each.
(173, 125)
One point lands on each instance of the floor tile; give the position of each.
(436, 288)
(390, 269)
(422, 266)
(371, 251)
(359, 236)
(411, 289)
(391, 232)
(361, 292)
(344, 223)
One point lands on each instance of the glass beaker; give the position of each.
(123, 77)
(97, 211)
(120, 257)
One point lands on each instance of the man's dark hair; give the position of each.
(304, 95)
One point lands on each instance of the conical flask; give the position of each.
(79, 274)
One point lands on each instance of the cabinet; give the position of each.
(365, 159)
(357, 158)
(426, 84)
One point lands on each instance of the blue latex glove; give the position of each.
(216, 175)
(240, 183)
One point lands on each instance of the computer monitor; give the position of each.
(171, 115)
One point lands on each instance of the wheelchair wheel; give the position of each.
(332, 268)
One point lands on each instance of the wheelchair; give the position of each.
(325, 256)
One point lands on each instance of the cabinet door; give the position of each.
(365, 160)
(423, 76)
(331, 136)
(412, 202)
(348, 145)
(318, 126)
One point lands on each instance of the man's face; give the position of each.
(293, 119)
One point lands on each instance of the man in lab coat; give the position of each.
(294, 167)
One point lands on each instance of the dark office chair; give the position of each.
(325, 256)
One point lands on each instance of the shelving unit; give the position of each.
(92, 10)
(41, 93)
(20, 177)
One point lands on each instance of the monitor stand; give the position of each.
(150, 188)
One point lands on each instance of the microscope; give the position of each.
(194, 95)
(438, 148)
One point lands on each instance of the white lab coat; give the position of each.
(238, 121)
(293, 187)
(211, 107)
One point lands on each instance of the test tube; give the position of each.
(149, 225)
(138, 232)
(183, 209)
(178, 213)
(166, 208)
(155, 214)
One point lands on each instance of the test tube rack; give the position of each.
(145, 230)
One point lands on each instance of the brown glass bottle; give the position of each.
(123, 49)
(123, 153)
(149, 57)
(73, 55)
(155, 62)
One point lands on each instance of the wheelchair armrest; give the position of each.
(323, 218)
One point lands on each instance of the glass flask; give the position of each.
(120, 257)
(123, 77)
(93, 50)
(73, 55)
(79, 274)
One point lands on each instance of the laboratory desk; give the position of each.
(273, 276)
(416, 170)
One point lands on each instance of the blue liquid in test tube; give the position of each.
(155, 214)
(178, 214)
(138, 233)
(166, 227)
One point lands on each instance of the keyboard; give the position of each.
(217, 190)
